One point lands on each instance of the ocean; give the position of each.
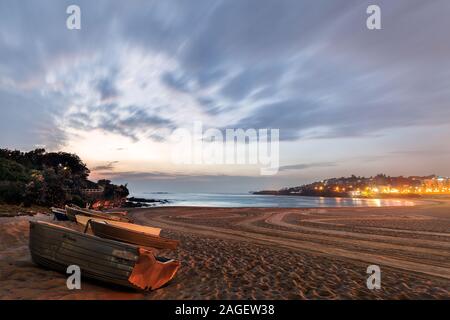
(249, 200)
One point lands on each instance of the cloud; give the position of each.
(309, 68)
(106, 167)
(177, 82)
(140, 175)
(159, 175)
(21, 126)
(298, 53)
(140, 182)
(130, 121)
(303, 166)
(107, 89)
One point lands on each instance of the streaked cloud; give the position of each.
(106, 167)
(302, 166)
(310, 68)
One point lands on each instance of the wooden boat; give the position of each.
(59, 214)
(83, 220)
(110, 231)
(117, 213)
(72, 211)
(57, 247)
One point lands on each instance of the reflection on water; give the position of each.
(248, 200)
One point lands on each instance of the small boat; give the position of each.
(118, 213)
(59, 214)
(72, 211)
(119, 233)
(83, 220)
(58, 247)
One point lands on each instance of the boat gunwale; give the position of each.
(79, 219)
(171, 242)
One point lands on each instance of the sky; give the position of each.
(346, 99)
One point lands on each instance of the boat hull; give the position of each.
(59, 214)
(73, 211)
(57, 247)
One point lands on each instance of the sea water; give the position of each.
(248, 200)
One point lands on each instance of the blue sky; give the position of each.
(347, 100)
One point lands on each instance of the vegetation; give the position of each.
(50, 179)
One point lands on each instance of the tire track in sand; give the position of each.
(299, 245)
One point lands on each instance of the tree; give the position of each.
(54, 191)
(112, 191)
(12, 171)
(52, 178)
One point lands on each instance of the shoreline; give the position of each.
(418, 198)
(240, 200)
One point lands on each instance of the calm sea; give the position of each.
(248, 200)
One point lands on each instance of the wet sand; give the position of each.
(267, 253)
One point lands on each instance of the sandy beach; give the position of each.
(266, 253)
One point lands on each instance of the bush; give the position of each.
(77, 200)
(12, 171)
(12, 192)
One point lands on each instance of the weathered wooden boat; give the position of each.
(117, 213)
(72, 211)
(110, 231)
(59, 214)
(83, 220)
(57, 247)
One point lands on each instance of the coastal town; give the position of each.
(380, 185)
